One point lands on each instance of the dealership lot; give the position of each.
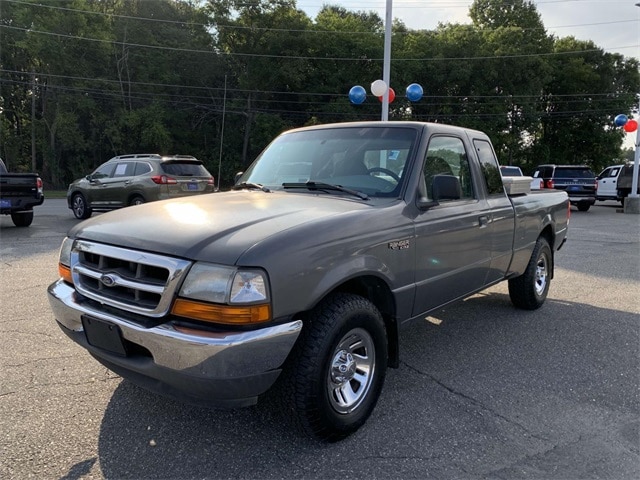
(483, 390)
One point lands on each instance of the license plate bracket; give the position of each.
(104, 335)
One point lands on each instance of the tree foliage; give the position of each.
(83, 80)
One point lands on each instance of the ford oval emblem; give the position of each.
(108, 280)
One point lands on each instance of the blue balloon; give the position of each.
(357, 94)
(621, 120)
(414, 92)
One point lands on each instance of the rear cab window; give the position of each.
(489, 166)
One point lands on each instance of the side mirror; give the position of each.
(237, 177)
(424, 203)
(446, 187)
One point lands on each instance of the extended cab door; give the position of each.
(453, 240)
(501, 214)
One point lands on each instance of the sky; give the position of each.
(613, 25)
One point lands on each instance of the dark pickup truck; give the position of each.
(301, 276)
(19, 193)
(578, 181)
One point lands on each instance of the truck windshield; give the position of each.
(370, 160)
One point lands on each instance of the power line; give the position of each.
(188, 100)
(604, 95)
(294, 57)
(420, 5)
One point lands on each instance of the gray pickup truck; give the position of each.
(300, 277)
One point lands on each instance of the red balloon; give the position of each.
(392, 95)
(630, 126)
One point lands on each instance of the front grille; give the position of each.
(136, 281)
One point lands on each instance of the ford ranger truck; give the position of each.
(297, 280)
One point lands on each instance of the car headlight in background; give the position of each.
(240, 296)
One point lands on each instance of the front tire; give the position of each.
(23, 218)
(529, 291)
(336, 372)
(79, 206)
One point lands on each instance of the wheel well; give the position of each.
(377, 292)
(77, 192)
(135, 195)
(550, 237)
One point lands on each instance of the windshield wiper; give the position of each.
(326, 187)
(250, 186)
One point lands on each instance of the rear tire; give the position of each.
(530, 290)
(335, 374)
(584, 206)
(22, 218)
(136, 200)
(79, 206)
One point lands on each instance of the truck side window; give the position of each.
(489, 166)
(446, 156)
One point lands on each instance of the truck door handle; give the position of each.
(483, 221)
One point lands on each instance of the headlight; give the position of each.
(65, 251)
(210, 283)
(248, 287)
(218, 284)
(64, 260)
(224, 295)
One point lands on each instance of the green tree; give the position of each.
(265, 47)
(589, 87)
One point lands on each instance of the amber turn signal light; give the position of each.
(65, 273)
(224, 314)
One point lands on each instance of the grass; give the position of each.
(55, 194)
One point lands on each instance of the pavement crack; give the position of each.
(474, 401)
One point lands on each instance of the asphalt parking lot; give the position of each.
(490, 392)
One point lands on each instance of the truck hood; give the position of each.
(217, 227)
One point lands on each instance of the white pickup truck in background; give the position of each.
(608, 183)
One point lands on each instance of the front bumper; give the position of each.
(224, 369)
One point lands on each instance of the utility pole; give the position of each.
(33, 121)
(386, 67)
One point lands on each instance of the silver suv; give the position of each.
(139, 178)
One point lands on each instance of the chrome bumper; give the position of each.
(214, 368)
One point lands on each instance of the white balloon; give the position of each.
(378, 88)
